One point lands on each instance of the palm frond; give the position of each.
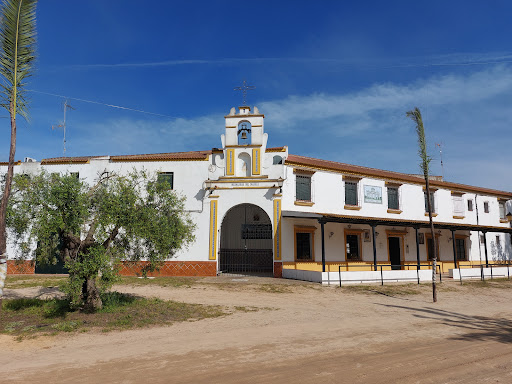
(17, 51)
(415, 116)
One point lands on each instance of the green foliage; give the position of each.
(415, 115)
(92, 227)
(17, 51)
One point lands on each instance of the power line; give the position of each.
(100, 103)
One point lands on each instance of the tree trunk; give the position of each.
(434, 241)
(91, 295)
(5, 200)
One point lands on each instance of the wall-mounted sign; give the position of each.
(372, 194)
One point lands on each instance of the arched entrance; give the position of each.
(246, 241)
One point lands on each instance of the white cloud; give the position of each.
(468, 113)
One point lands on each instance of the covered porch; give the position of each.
(401, 249)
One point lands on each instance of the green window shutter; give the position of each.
(393, 198)
(303, 187)
(350, 193)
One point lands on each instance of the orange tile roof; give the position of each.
(6, 163)
(68, 160)
(193, 155)
(309, 162)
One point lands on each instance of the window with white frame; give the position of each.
(458, 205)
(502, 210)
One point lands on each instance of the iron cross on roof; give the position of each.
(244, 88)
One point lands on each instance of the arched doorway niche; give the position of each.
(246, 242)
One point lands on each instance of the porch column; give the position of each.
(417, 247)
(374, 248)
(485, 247)
(323, 244)
(454, 249)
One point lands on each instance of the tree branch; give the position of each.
(112, 236)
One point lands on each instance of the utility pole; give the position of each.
(63, 125)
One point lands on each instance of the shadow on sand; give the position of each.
(478, 328)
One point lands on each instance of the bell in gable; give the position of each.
(244, 135)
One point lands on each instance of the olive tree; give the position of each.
(92, 227)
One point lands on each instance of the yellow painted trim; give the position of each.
(352, 207)
(303, 171)
(396, 232)
(257, 126)
(230, 169)
(433, 214)
(231, 126)
(256, 161)
(459, 217)
(397, 211)
(212, 255)
(351, 178)
(224, 179)
(333, 266)
(277, 229)
(304, 203)
(503, 221)
(213, 196)
(304, 229)
(276, 150)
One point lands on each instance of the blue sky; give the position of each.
(333, 78)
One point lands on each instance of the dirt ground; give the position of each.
(300, 333)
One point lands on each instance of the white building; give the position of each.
(263, 210)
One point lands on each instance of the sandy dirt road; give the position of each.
(308, 334)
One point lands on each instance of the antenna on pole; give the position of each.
(441, 155)
(63, 125)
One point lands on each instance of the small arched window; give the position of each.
(277, 160)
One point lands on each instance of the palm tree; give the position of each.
(415, 116)
(17, 56)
